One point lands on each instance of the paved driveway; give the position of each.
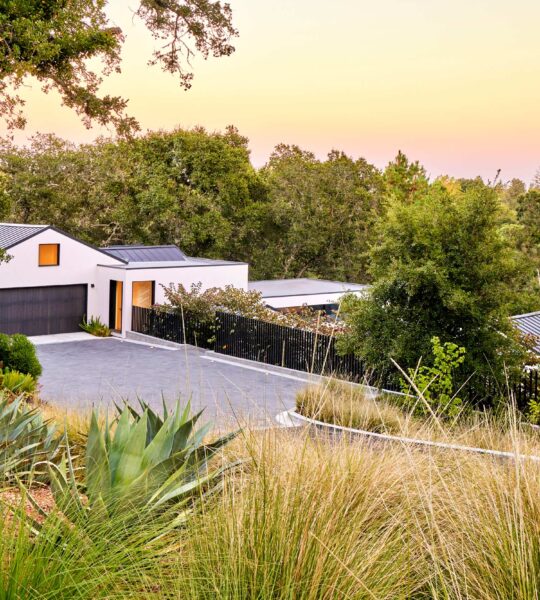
(101, 371)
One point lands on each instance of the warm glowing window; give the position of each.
(49, 255)
(143, 293)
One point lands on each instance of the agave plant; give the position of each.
(27, 441)
(141, 462)
(17, 383)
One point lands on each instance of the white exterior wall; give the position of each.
(78, 265)
(309, 300)
(209, 276)
(82, 264)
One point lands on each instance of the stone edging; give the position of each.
(294, 416)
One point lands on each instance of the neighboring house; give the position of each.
(282, 294)
(529, 324)
(54, 280)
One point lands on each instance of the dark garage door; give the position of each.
(42, 310)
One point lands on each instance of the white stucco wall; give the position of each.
(78, 265)
(208, 275)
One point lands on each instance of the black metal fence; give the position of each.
(174, 327)
(300, 350)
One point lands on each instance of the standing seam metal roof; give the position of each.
(529, 324)
(12, 234)
(138, 253)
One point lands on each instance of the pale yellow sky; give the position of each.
(455, 84)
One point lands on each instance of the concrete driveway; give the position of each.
(98, 372)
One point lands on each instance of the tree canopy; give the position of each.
(441, 267)
(54, 40)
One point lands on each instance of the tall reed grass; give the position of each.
(307, 517)
(351, 406)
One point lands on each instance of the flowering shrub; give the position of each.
(204, 304)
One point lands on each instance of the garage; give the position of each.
(42, 310)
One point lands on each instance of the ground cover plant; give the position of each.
(16, 383)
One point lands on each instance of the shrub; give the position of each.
(204, 304)
(19, 354)
(435, 383)
(5, 347)
(17, 382)
(95, 327)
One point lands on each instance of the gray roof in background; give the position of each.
(175, 264)
(276, 288)
(529, 324)
(140, 253)
(12, 234)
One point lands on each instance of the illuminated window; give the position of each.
(143, 293)
(49, 255)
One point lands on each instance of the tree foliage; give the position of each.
(297, 216)
(185, 187)
(441, 267)
(319, 212)
(53, 41)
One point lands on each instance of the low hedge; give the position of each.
(17, 353)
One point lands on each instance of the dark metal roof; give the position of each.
(529, 324)
(12, 234)
(146, 253)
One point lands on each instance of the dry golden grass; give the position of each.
(350, 406)
(308, 519)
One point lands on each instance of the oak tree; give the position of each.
(53, 40)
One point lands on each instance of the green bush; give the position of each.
(17, 353)
(435, 383)
(95, 327)
(17, 382)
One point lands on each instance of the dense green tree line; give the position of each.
(451, 258)
(297, 216)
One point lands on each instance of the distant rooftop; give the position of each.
(529, 324)
(140, 253)
(278, 288)
(12, 234)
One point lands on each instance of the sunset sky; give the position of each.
(455, 84)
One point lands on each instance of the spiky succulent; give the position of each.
(140, 462)
(27, 441)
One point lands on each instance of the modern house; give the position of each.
(53, 280)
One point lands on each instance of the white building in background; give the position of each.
(282, 294)
(53, 281)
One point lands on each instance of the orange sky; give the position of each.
(453, 84)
